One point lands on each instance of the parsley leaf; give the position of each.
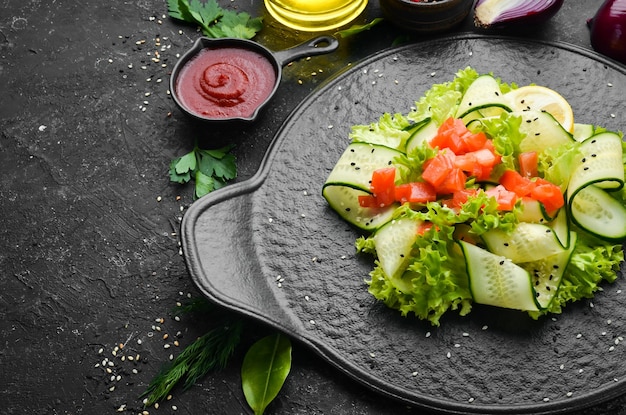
(210, 169)
(215, 21)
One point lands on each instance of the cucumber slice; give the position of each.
(583, 131)
(541, 131)
(546, 274)
(600, 163)
(483, 92)
(357, 163)
(345, 201)
(351, 178)
(485, 111)
(560, 226)
(495, 280)
(394, 243)
(527, 242)
(426, 132)
(533, 212)
(598, 213)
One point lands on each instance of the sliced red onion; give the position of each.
(608, 34)
(493, 13)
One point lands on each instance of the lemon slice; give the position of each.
(540, 98)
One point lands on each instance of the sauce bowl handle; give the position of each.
(317, 46)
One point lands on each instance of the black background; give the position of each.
(91, 262)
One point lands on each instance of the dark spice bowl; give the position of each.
(426, 16)
(217, 81)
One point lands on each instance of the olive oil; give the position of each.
(315, 15)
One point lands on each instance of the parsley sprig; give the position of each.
(210, 169)
(215, 21)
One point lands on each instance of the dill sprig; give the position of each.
(208, 352)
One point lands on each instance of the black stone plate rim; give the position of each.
(248, 187)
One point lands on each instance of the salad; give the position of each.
(484, 193)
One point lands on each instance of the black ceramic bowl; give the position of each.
(430, 16)
(275, 60)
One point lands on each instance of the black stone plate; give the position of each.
(271, 249)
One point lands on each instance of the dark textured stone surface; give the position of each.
(90, 259)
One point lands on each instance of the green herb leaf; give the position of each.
(238, 25)
(209, 352)
(180, 170)
(215, 21)
(204, 184)
(355, 29)
(211, 169)
(264, 370)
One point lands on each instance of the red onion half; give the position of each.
(496, 13)
(608, 30)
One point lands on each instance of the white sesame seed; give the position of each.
(427, 334)
(465, 334)
(578, 336)
(312, 322)
(569, 394)
(609, 84)
(470, 400)
(611, 348)
(414, 374)
(372, 354)
(448, 355)
(562, 367)
(307, 298)
(457, 345)
(546, 399)
(485, 327)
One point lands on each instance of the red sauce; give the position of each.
(225, 82)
